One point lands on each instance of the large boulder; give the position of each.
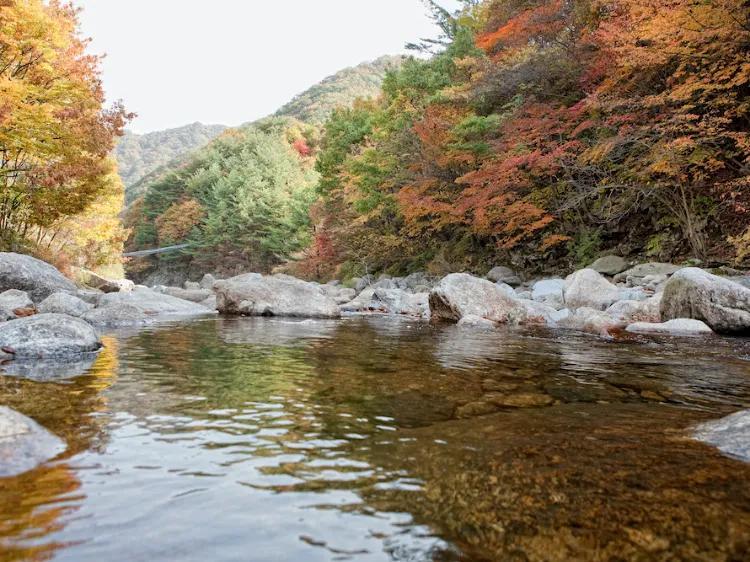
(37, 278)
(550, 292)
(731, 435)
(591, 320)
(722, 304)
(502, 274)
(48, 335)
(635, 275)
(588, 288)
(676, 327)
(14, 300)
(461, 294)
(64, 303)
(24, 444)
(397, 301)
(253, 294)
(88, 279)
(152, 303)
(610, 265)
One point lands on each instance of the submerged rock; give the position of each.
(24, 444)
(679, 326)
(477, 322)
(587, 288)
(720, 303)
(48, 335)
(37, 278)
(64, 303)
(731, 435)
(460, 294)
(253, 294)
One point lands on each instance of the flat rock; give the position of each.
(48, 335)
(64, 303)
(24, 444)
(678, 326)
(116, 315)
(253, 294)
(610, 265)
(634, 275)
(153, 304)
(460, 294)
(719, 302)
(35, 277)
(192, 295)
(588, 288)
(731, 435)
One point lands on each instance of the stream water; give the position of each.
(381, 439)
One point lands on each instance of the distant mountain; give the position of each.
(315, 105)
(139, 155)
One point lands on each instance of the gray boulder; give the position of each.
(210, 302)
(48, 335)
(731, 435)
(253, 294)
(610, 265)
(207, 282)
(153, 304)
(116, 315)
(635, 275)
(12, 300)
(397, 301)
(631, 311)
(64, 303)
(550, 292)
(192, 286)
(502, 274)
(719, 302)
(587, 288)
(363, 282)
(591, 320)
(37, 278)
(24, 444)
(677, 327)
(361, 303)
(460, 294)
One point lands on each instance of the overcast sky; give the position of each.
(230, 61)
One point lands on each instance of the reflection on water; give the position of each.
(381, 439)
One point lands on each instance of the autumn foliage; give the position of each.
(549, 131)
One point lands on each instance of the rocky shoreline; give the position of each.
(47, 320)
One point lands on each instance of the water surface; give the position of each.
(373, 439)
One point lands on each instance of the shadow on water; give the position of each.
(382, 439)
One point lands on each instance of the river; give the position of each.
(375, 438)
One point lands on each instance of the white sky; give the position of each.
(175, 62)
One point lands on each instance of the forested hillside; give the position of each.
(139, 155)
(316, 104)
(545, 133)
(241, 202)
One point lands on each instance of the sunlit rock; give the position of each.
(37, 278)
(678, 326)
(731, 435)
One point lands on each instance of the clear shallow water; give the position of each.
(382, 439)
